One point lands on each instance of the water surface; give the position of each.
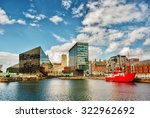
(74, 90)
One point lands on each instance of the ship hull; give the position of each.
(121, 78)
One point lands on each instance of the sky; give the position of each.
(110, 27)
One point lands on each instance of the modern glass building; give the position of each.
(78, 56)
(33, 61)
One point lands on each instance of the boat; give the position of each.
(117, 76)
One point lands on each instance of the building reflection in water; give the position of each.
(74, 90)
(29, 91)
(58, 90)
(79, 90)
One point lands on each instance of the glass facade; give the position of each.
(31, 61)
(78, 56)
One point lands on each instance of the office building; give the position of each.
(79, 57)
(34, 61)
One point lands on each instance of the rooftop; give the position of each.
(142, 62)
(77, 44)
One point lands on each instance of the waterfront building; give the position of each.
(34, 61)
(141, 68)
(128, 65)
(79, 58)
(98, 67)
(64, 60)
(68, 71)
(13, 69)
(114, 61)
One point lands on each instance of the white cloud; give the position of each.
(20, 21)
(94, 52)
(125, 51)
(1, 32)
(98, 24)
(112, 47)
(36, 17)
(32, 10)
(56, 19)
(115, 36)
(58, 38)
(34, 25)
(8, 59)
(66, 4)
(147, 41)
(133, 53)
(56, 51)
(78, 12)
(137, 34)
(82, 38)
(4, 19)
(40, 17)
(109, 12)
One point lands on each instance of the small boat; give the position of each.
(117, 76)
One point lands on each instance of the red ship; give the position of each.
(120, 77)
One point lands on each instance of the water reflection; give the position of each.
(29, 91)
(123, 91)
(79, 90)
(74, 90)
(58, 90)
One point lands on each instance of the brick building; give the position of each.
(141, 68)
(98, 67)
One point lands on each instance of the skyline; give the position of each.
(110, 27)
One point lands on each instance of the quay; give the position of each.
(142, 80)
(17, 79)
(81, 78)
(32, 78)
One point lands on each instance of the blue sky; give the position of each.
(109, 26)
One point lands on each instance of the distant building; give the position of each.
(13, 69)
(64, 60)
(59, 67)
(79, 58)
(34, 61)
(68, 71)
(114, 61)
(98, 67)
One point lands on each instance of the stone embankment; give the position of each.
(142, 80)
(82, 78)
(14, 79)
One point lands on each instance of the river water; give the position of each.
(74, 90)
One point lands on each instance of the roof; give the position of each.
(39, 47)
(142, 62)
(15, 66)
(118, 56)
(77, 44)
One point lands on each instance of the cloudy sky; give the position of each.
(110, 27)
